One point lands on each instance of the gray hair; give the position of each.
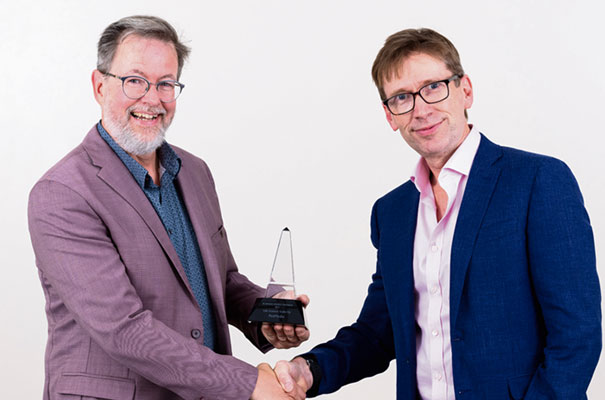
(141, 25)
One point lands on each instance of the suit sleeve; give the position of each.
(366, 347)
(70, 241)
(563, 267)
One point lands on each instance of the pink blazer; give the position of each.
(122, 320)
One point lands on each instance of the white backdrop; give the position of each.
(279, 101)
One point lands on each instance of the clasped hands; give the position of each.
(289, 380)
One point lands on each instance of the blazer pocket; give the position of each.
(517, 386)
(221, 248)
(105, 387)
(218, 235)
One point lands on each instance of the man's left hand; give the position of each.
(285, 336)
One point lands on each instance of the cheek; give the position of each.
(457, 104)
(170, 107)
(170, 110)
(118, 106)
(401, 123)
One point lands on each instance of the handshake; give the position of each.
(288, 380)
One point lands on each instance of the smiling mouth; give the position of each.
(427, 128)
(144, 116)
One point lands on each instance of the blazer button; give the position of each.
(196, 333)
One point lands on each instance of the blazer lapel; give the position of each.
(196, 198)
(115, 174)
(479, 188)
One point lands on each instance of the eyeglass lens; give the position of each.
(431, 93)
(136, 87)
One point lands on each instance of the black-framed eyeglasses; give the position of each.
(135, 87)
(434, 92)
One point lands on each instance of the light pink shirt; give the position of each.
(432, 250)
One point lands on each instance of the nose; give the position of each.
(152, 96)
(421, 107)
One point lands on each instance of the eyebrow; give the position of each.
(422, 84)
(163, 77)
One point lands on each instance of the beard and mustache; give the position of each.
(133, 142)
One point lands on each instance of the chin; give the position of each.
(140, 143)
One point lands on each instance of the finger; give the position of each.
(298, 393)
(304, 299)
(302, 333)
(290, 334)
(268, 331)
(265, 366)
(279, 332)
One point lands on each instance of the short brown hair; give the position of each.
(402, 44)
(141, 25)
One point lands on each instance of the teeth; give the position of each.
(144, 116)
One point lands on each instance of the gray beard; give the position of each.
(131, 143)
(128, 140)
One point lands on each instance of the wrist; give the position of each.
(303, 366)
(312, 372)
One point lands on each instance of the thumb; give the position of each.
(282, 370)
(304, 299)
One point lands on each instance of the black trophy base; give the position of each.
(278, 311)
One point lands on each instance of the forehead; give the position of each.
(145, 54)
(414, 71)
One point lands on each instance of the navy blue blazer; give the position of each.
(524, 296)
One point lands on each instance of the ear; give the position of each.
(390, 118)
(467, 90)
(98, 86)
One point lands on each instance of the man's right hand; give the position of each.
(294, 376)
(268, 387)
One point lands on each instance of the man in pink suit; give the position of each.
(132, 254)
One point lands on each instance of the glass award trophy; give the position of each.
(280, 311)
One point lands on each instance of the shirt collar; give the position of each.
(169, 160)
(461, 161)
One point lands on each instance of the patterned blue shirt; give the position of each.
(168, 205)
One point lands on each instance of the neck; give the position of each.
(151, 163)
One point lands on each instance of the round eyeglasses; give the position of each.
(135, 87)
(434, 92)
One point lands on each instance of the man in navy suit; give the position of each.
(485, 283)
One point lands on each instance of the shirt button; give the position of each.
(434, 248)
(434, 289)
(437, 376)
(435, 332)
(170, 231)
(196, 333)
